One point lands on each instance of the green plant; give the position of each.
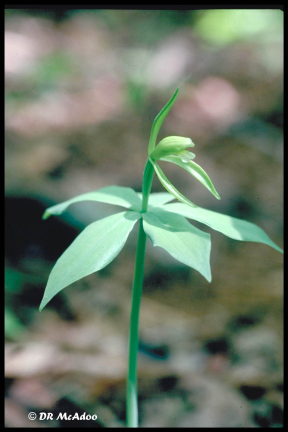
(163, 222)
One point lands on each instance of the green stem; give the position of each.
(147, 183)
(132, 393)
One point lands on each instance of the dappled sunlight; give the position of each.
(219, 100)
(63, 111)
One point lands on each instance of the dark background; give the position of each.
(82, 88)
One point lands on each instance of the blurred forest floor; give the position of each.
(82, 90)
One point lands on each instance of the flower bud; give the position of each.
(173, 145)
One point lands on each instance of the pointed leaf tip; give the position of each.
(159, 120)
(232, 227)
(195, 170)
(94, 248)
(46, 215)
(115, 195)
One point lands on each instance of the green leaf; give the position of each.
(159, 120)
(171, 145)
(194, 169)
(169, 186)
(157, 199)
(117, 195)
(232, 227)
(95, 247)
(179, 238)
